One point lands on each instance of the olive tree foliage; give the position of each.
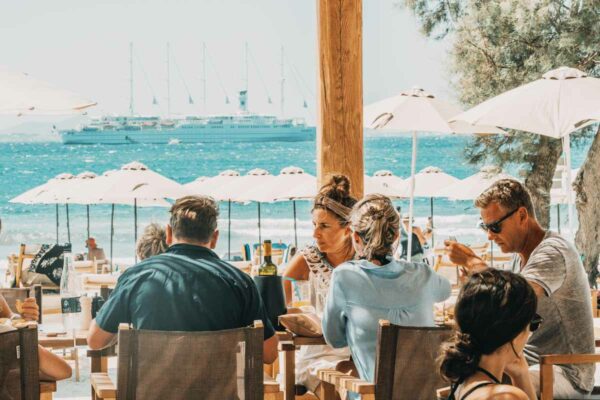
(498, 45)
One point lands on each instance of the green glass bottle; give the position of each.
(267, 268)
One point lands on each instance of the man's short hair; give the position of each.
(194, 218)
(508, 193)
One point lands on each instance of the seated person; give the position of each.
(152, 242)
(377, 286)
(419, 242)
(553, 267)
(188, 288)
(52, 367)
(495, 313)
(94, 252)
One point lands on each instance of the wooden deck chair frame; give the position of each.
(23, 255)
(33, 291)
(26, 351)
(547, 373)
(382, 389)
(104, 388)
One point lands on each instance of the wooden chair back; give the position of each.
(406, 365)
(25, 252)
(191, 365)
(11, 295)
(19, 364)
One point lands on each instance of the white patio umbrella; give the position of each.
(235, 189)
(561, 102)
(134, 183)
(21, 94)
(471, 187)
(429, 182)
(206, 186)
(47, 193)
(417, 111)
(278, 188)
(393, 186)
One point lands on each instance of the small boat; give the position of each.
(174, 141)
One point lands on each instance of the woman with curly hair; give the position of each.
(495, 314)
(377, 286)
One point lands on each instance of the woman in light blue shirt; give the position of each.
(377, 286)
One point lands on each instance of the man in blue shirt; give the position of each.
(189, 288)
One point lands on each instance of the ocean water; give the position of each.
(25, 165)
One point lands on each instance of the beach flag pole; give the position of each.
(558, 217)
(135, 218)
(112, 234)
(295, 225)
(432, 233)
(87, 209)
(413, 167)
(229, 230)
(68, 224)
(57, 223)
(259, 235)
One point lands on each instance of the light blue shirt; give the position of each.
(361, 293)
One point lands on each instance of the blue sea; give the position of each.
(25, 165)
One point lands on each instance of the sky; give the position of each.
(83, 46)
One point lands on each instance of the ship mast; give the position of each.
(246, 71)
(168, 81)
(204, 74)
(131, 78)
(282, 82)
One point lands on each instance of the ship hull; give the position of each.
(190, 135)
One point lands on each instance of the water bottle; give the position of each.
(70, 294)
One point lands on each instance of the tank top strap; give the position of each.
(474, 388)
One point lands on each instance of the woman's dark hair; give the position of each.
(492, 309)
(336, 188)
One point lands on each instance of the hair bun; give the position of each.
(460, 358)
(337, 187)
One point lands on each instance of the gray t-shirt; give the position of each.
(566, 309)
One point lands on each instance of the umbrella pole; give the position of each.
(259, 235)
(492, 252)
(432, 233)
(413, 167)
(567, 147)
(87, 209)
(295, 225)
(57, 223)
(112, 234)
(229, 231)
(135, 218)
(68, 224)
(558, 217)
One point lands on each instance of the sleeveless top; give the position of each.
(319, 277)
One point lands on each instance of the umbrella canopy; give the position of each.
(235, 188)
(21, 94)
(133, 182)
(278, 187)
(470, 188)
(393, 183)
(415, 111)
(430, 181)
(561, 102)
(379, 186)
(45, 193)
(209, 186)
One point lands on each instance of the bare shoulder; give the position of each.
(506, 392)
(297, 268)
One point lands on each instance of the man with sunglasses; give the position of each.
(553, 268)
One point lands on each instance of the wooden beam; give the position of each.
(340, 102)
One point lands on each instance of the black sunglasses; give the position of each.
(495, 227)
(535, 323)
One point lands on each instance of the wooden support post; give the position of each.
(340, 102)
(288, 350)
